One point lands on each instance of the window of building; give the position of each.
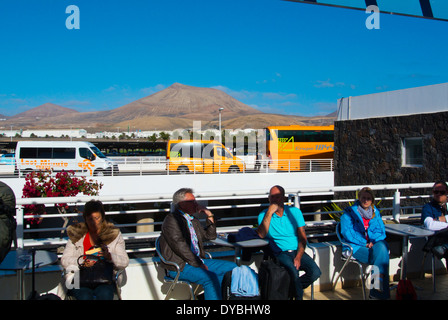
(412, 155)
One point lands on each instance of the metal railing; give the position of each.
(312, 201)
(124, 166)
(151, 165)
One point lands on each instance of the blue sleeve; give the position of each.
(350, 232)
(298, 215)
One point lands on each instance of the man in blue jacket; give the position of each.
(434, 218)
(363, 228)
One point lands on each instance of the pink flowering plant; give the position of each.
(62, 184)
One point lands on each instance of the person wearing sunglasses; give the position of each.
(434, 218)
(182, 239)
(363, 228)
(434, 213)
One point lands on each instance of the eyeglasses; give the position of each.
(440, 192)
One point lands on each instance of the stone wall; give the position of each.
(369, 151)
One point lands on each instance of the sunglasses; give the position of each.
(440, 192)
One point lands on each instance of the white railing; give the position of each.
(160, 166)
(157, 165)
(394, 206)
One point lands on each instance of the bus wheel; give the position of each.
(233, 169)
(182, 170)
(25, 172)
(98, 173)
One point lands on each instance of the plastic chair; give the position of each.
(433, 269)
(347, 257)
(314, 259)
(174, 281)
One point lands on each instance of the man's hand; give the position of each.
(297, 262)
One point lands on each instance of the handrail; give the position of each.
(296, 198)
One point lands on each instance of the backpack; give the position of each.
(7, 221)
(240, 283)
(406, 291)
(275, 282)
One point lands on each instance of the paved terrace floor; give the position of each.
(423, 287)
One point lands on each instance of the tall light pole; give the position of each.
(220, 137)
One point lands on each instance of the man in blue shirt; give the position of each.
(285, 226)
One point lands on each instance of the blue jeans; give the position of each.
(378, 256)
(101, 292)
(210, 279)
(307, 264)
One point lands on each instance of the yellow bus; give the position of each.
(206, 156)
(290, 148)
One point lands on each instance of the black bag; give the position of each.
(100, 273)
(437, 244)
(226, 289)
(275, 282)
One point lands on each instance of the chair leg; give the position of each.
(170, 290)
(339, 274)
(433, 270)
(363, 281)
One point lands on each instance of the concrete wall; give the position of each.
(217, 183)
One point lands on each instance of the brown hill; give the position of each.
(45, 110)
(172, 108)
(181, 101)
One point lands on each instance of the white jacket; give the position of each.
(110, 236)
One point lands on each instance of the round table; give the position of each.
(21, 259)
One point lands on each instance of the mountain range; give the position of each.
(172, 108)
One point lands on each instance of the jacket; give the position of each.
(353, 231)
(110, 236)
(433, 211)
(175, 240)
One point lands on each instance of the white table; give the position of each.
(20, 260)
(239, 245)
(406, 231)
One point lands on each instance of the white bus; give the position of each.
(83, 158)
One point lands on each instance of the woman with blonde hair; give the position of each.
(363, 227)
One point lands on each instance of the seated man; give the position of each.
(285, 226)
(182, 240)
(434, 218)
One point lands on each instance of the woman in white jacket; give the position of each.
(94, 232)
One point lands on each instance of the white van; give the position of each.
(82, 157)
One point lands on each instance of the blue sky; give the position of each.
(277, 56)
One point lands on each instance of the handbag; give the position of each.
(101, 272)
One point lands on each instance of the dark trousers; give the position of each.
(307, 264)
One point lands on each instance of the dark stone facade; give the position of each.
(369, 151)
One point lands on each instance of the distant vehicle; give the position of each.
(207, 156)
(7, 159)
(287, 145)
(82, 157)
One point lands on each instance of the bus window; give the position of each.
(28, 153)
(64, 153)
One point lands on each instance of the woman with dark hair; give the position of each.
(100, 236)
(363, 227)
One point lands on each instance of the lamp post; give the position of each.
(220, 137)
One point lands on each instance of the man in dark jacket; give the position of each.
(7, 220)
(182, 240)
